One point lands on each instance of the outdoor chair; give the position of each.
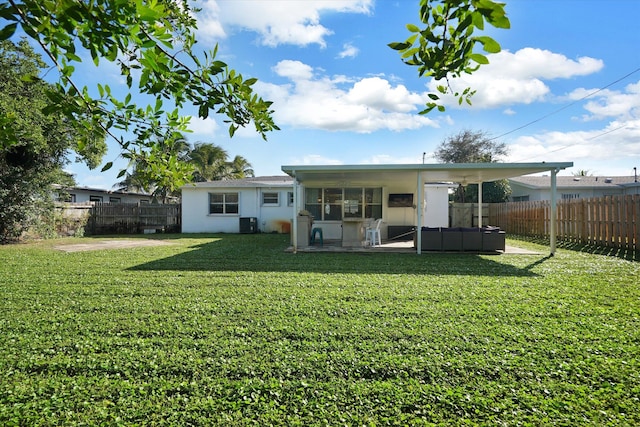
(372, 234)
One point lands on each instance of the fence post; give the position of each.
(552, 228)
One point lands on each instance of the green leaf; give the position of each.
(107, 166)
(399, 45)
(434, 96)
(488, 44)
(413, 28)
(480, 59)
(8, 31)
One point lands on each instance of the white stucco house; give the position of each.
(337, 196)
(226, 206)
(257, 204)
(534, 188)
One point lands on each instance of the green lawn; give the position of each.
(231, 330)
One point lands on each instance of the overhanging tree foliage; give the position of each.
(153, 44)
(475, 147)
(444, 47)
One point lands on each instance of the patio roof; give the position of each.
(464, 173)
(470, 173)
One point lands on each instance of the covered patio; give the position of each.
(414, 176)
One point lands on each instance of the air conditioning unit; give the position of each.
(248, 225)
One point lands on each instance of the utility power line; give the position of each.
(566, 106)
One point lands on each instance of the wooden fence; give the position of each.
(466, 214)
(603, 221)
(128, 218)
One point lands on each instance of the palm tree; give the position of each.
(241, 168)
(209, 162)
(212, 163)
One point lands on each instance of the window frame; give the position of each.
(271, 194)
(315, 201)
(225, 204)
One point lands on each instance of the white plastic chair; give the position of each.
(372, 234)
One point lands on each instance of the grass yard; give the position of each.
(231, 330)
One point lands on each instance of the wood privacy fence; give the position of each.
(129, 218)
(466, 214)
(603, 221)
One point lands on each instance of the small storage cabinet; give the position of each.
(248, 225)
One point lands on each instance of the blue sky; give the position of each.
(566, 86)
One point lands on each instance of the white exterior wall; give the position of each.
(196, 217)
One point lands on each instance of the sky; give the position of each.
(565, 88)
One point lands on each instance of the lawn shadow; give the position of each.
(266, 253)
(612, 251)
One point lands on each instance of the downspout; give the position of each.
(480, 204)
(419, 207)
(554, 209)
(294, 226)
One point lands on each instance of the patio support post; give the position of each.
(554, 213)
(294, 226)
(479, 205)
(419, 207)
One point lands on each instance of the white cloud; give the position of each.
(316, 159)
(277, 21)
(617, 141)
(607, 103)
(294, 70)
(206, 127)
(386, 159)
(518, 78)
(348, 51)
(318, 101)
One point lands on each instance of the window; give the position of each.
(114, 199)
(334, 204)
(569, 196)
(271, 199)
(67, 197)
(223, 203)
(95, 199)
(290, 198)
(144, 201)
(520, 198)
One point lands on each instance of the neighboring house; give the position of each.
(88, 195)
(533, 188)
(244, 205)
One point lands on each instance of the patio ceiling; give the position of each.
(362, 175)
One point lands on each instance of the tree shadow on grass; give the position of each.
(266, 253)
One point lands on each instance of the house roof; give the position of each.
(259, 181)
(99, 190)
(345, 175)
(541, 182)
